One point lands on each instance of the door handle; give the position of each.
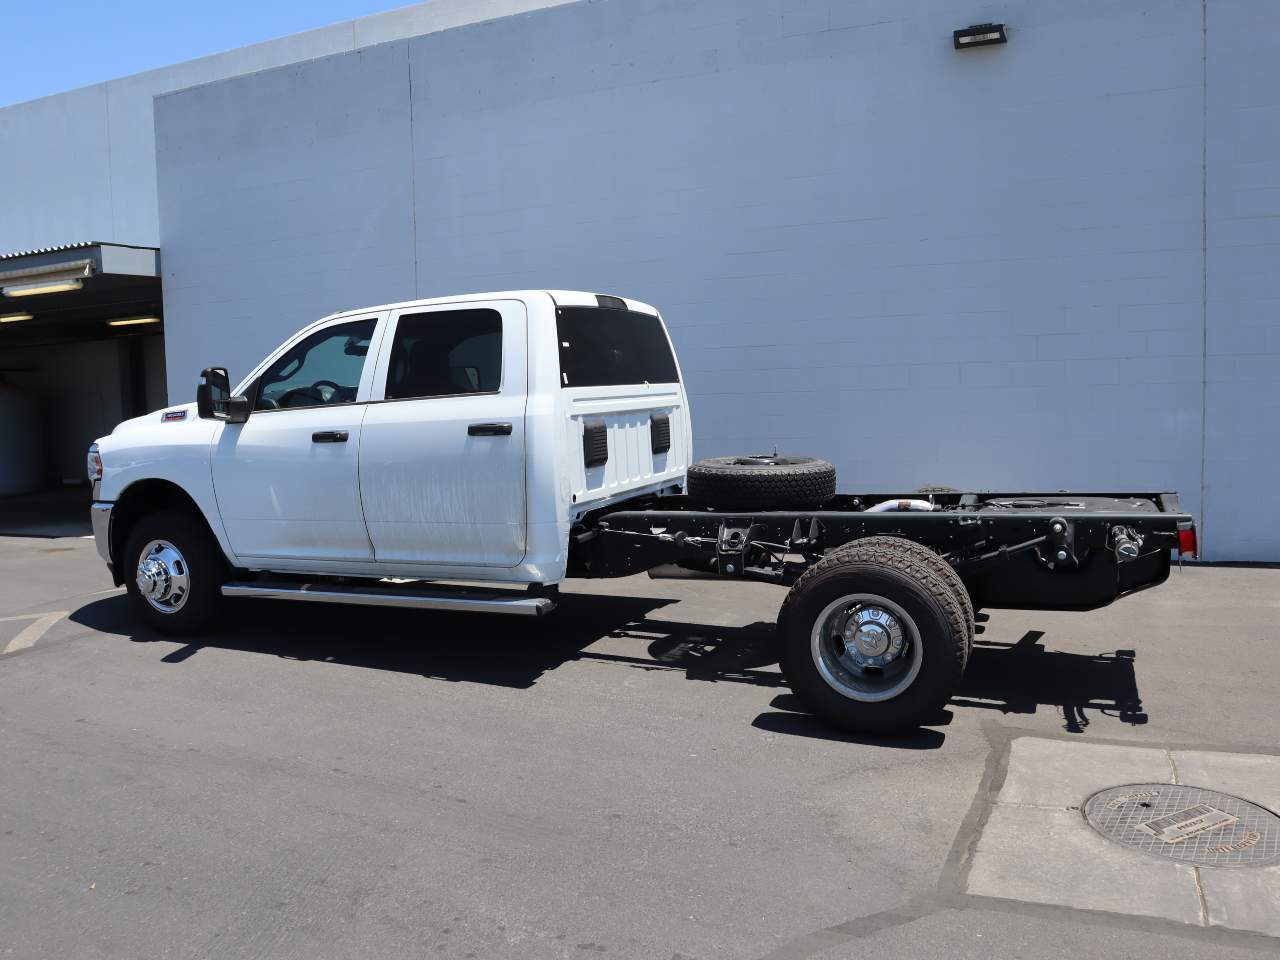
(329, 436)
(489, 430)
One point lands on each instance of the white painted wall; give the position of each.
(281, 210)
(976, 268)
(1242, 308)
(81, 165)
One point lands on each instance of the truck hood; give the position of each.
(182, 413)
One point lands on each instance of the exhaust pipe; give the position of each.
(892, 506)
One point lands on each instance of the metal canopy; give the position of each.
(72, 292)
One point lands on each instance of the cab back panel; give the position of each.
(618, 373)
(626, 419)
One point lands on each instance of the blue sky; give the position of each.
(55, 46)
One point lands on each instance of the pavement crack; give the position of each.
(1204, 904)
(819, 941)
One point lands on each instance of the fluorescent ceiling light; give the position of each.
(14, 317)
(41, 286)
(132, 321)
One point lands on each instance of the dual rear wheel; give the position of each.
(875, 636)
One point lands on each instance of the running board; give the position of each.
(397, 595)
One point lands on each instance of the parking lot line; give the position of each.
(33, 631)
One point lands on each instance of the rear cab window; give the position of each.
(602, 347)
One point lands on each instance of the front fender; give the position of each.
(149, 449)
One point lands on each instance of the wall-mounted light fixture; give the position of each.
(14, 317)
(132, 321)
(980, 35)
(41, 286)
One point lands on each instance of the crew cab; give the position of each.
(389, 455)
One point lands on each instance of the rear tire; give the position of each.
(173, 572)
(884, 589)
(761, 482)
(944, 571)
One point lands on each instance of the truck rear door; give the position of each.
(627, 417)
(442, 458)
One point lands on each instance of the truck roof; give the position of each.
(563, 298)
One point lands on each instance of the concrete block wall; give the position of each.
(1242, 273)
(281, 208)
(983, 268)
(81, 165)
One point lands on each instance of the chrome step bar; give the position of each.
(396, 595)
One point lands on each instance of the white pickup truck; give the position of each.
(386, 456)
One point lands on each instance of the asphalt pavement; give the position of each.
(626, 778)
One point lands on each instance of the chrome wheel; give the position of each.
(866, 647)
(162, 577)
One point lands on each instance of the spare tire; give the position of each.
(761, 482)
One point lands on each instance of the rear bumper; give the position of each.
(100, 515)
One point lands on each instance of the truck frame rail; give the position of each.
(1059, 550)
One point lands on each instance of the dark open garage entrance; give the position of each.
(81, 348)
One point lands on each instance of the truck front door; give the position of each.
(442, 458)
(287, 479)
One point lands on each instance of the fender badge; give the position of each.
(172, 416)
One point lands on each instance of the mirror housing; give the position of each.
(214, 400)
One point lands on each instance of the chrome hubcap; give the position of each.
(163, 578)
(866, 647)
(872, 637)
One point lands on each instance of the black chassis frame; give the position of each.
(1058, 551)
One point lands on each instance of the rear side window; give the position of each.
(605, 348)
(445, 353)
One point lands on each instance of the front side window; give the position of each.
(322, 370)
(445, 353)
(600, 347)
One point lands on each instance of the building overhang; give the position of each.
(79, 291)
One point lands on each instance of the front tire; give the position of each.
(873, 639)
(174, 572)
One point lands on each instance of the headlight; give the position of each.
(94, 463)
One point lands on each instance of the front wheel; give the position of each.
(174, 572)
(873, 640)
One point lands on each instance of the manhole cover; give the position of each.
(1188, 824)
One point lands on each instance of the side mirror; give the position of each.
(214, 400)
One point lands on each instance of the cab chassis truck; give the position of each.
(389, 455)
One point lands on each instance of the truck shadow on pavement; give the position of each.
(459, 647)
(1023, 676)
(1012, 678)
